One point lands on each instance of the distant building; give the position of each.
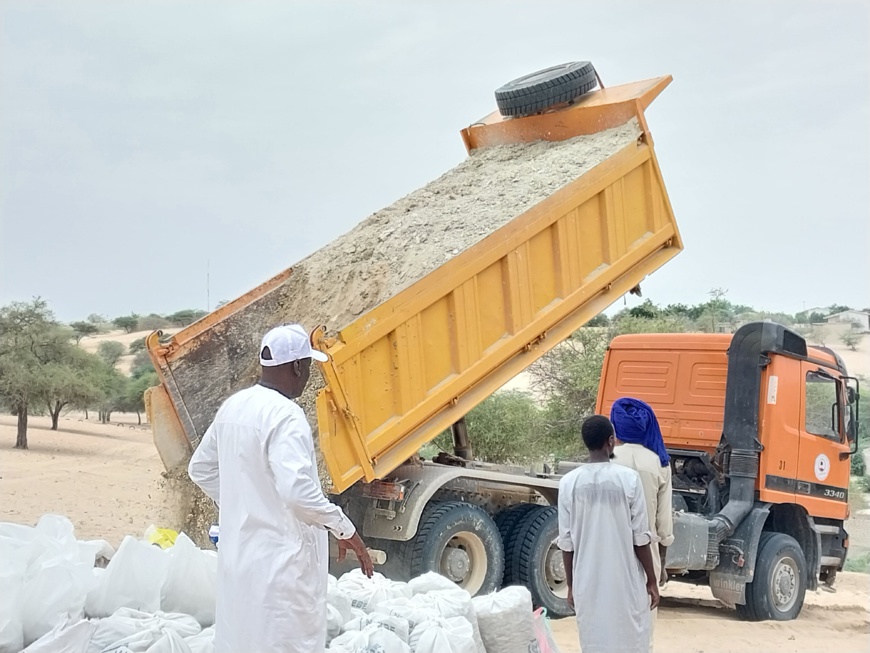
(861, 319)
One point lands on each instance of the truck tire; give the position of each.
(533, 559)
(459, 541)
(543, 89)
(780, 582)
(507, 521)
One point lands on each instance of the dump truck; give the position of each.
(760, 428)
(413, 365)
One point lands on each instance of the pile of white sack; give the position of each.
(58, 598)
(430, 614)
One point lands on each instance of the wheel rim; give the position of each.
(464, 561)
(784, 584)
(554, 571)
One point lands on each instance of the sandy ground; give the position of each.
(107, 480)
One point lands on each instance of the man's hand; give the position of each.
(653, 590)
(571, 599)
(355, 544)
(663, 580)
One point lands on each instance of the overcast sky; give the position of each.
(139, 141)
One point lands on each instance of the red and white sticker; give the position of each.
(823, 467)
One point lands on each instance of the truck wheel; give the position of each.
(533, 559)
(459, 541)
(780, 583)
(541, 90)
(507, 521)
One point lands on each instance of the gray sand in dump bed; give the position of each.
(386, 253)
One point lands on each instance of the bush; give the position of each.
(505, 428)
(137, 345)
(858, 467)
(153, 322)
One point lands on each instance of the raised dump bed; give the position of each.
(433, 303)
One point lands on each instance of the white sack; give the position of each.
(367, 593)
(370, 640)
(202, 643)
(133, 579)
(191, 581)
(429, 582)
(14, 555)
(414, 613)
(65, 638)
(453, 635)
(505, 620)
(396, 625)
(454, 602)
(170, 642)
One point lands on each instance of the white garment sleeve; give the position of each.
(564, 541)
(665, 509)
(637, 508)
(291, 460)
(203, 467)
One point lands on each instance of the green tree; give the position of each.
(600, 320)
(127, 322)
(838, 308)
(137, 345)
(70, 381)
(141, 364)
(110, 351)
(83, 329)
(852, 339)
(504, 428)
(134, 399)
(31, 343)
(153, 322)
(186, 317)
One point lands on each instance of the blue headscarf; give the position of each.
(636, 423)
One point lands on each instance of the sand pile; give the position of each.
(386, 253)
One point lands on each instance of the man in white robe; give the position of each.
(605, 541)
(256, 461)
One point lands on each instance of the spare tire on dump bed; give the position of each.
(541, 90)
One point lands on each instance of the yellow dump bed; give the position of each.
(411, 366)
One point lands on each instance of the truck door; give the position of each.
(823, 463)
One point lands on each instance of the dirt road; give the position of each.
(106, 479)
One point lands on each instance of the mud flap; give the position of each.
(737, 555)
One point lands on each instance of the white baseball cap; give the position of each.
(288, 343)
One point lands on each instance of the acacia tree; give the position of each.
(72, 381)
(127, 322)
(110, 352)
(30, 342)
(82, 329)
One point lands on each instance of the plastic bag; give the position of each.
(14, 555)
(65, 638)
(453, 635)
(394, 624)
(53, 594)
(145, 630)
(191, 581)
(505, 620)
(543, 634)
(169, 642)
(430, 582)
(57, 579)
(133, 579)
(369, 640)
(202, 643)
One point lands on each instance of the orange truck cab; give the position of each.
(760, 428)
